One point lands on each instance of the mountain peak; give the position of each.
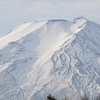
(80, 20)
(57, 57)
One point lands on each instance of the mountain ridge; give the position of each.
(50, 57)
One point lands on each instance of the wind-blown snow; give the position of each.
(57, 57)
(20, 31)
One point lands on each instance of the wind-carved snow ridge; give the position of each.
(57, 57)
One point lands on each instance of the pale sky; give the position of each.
(15, 12)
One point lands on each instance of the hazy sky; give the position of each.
(16, 12)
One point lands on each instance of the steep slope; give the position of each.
(55, 57)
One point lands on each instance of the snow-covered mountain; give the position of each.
(57, 57)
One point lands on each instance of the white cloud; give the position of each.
(16, 12)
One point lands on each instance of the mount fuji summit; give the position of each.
(56, 57)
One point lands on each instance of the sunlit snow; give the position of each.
(57, 57)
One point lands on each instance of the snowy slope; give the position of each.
(57, 57)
